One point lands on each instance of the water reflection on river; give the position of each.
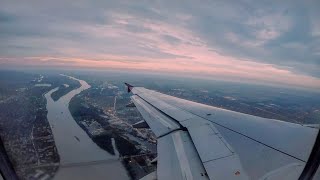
(80, 157)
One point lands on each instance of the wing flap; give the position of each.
(292, 139)
(178, 159)
(217, 156)
(233, 145)
(159, 123)
(191, 152)
(208, 143)
(226, 168)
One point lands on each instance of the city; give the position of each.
(102, 112)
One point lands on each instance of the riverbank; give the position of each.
(78, 153)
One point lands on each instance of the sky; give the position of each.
(266, 42)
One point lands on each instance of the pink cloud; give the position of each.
(263, 73)
(190, 55)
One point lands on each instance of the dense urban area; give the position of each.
(104, 113)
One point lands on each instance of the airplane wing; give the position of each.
(197, 141)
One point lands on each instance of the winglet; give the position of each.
(129, 86)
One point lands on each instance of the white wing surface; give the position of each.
(197, 141)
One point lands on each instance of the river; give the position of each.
(80, 157)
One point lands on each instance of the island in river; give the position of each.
(80, 157)
(101, 113)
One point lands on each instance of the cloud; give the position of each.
(269, 42)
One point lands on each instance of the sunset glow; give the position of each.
(158, 39)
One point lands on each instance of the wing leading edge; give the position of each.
(196, 141)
